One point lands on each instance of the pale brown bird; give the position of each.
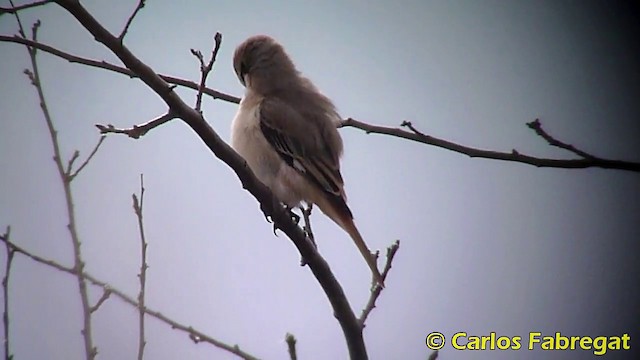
(286, 131)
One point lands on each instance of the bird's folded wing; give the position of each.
(299, 143)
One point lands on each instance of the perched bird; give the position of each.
(285, 129)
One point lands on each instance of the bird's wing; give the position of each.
(299, 143)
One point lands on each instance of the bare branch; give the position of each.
(5, 290)
(14, 9)
(130, 20)
(137, 131)
(74, 157)
(291, 345)
(86, 161)
(137, 208)
(37, 258)
(206, 69)
(90, 350)
(115, 68)
(433, 355)
(377, 289)
(193, 333)
(20, 27)
(332, 288)
(106, 293)
(537, 127)
(515, 156)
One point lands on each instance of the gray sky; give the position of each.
(485, 245)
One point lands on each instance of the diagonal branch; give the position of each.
(193, 333)
(130, 20)
(115, 68)
(537, 127)
(586, 162)
(377, 290)
(106, 293)
(86, 161)
(14, 9)
(332, 288)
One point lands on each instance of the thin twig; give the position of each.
(73, 159)
(5, 291)
(137, 208)
(514, 155)
(206, 69)
(291, 345)
(86, 161)
(193, 333)
(14, 9)
(106, 293)
(377, 289)
(90, 350)
(537, 127)
(115, 68)
(130, 20)
(137, 131)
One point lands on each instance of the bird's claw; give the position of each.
(266, 216)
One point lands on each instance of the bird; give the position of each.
(285, 130)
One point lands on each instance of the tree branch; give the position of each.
(375, 292)
(115, 68)
(193, 333)
(130, 20)
(206, 69)
(86, 161)
(14, 9)
(5, 291)
(137, 208)
(319, 267)
(34, 76)
(137, 131)
(291, 346)
(106, 293)
(586, 162)
(537, 127)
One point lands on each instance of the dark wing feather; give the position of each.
(300, 145)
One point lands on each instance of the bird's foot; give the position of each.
(266, 214)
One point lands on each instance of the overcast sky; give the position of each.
(485, 245)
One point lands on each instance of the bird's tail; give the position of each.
(340, 213)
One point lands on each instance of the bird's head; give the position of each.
(260, 61)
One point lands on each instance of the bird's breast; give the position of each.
(247, 139)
